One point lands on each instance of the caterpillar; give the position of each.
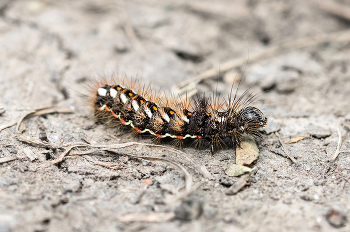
(203, 119)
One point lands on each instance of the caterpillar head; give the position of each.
(251, 119)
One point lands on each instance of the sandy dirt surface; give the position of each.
(50, 50)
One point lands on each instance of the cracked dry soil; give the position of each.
(50, 49)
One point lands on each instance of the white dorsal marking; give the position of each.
(123, 98)
(102, 92)
(148, 112)
(135, 105)
(166, 117)
(113, 92)
(185, 119)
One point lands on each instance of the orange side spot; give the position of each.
(119, 88)
(137, 129)
(142, 101)
(159, 136)
(130, 94)
(107, 108)
(124, 90)
(155, 108)
(179, 137)
(99, 108)
(171, 112)
(122, 121)
(113, 114)
(190, 113)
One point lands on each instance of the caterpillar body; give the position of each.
(211, 120)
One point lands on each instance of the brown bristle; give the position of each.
(166, 116)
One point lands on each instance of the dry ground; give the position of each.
(50, 49)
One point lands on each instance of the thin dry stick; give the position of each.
(334, 8)
(109, 165)
(111, 148)
(188, 177)
(129, 31)
(270, 52)
(7, 159)
(336, 153)
(285, 149)
(7, 125)
(201, 168)
(21, 127)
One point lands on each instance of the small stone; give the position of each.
(209, 212)
(318, 132)
(306, 197)
(226, 181)
(275, 196)
(271, 127)
(320, 181)
(302, 186)
(234, 189)
(189, 210)
(290, 83)
(336, 218)
(229, 219)
(287, 201)
(73, 187)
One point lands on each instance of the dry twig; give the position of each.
(7, 125)
(129, 30)
(112, 148)
(21, 127)
(285, 149)
(188, 84)
(339, 10)
(7, 159)
(337, 151)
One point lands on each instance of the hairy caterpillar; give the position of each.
(203, 119)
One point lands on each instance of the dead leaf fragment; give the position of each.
(30, 154)
(248, 152)
(236, 170)
(296, 139)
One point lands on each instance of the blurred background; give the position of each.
(49, 45)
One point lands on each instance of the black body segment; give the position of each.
(203, 120)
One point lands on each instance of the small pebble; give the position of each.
(189, 210)
(336, 218)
